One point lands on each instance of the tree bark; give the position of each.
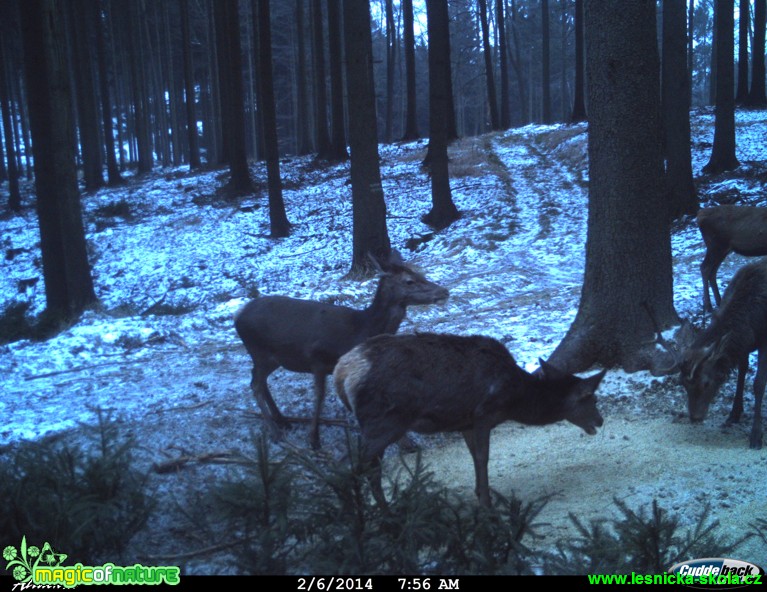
(676, 111)
(337, 150)
(741, 95)
(628, 245)
(546, 58)
(66, 272)
(411, 123)
(500, 19)
(370, 235)
(489, 77)
(443, 211)
(278, 219)
(579, 102)
(723, 152)
(189, 94)
(756, 95)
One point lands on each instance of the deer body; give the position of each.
(309, 336)
(729, 229)
(739, 327)
(431, 383)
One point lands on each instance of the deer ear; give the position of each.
(395, 258)
(550, 372)
(377, 264)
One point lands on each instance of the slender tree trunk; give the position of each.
(90, 143)
(411, 124)
(14, 197)
(303, 135)
(113, 172)
(189, 94)
(337, 149)
(278, 219)
(756, 95)
(741, 95)
(489, 77)
(676, 112)
(546, 68)
(579, 102)
(500, 20)
(322, 138)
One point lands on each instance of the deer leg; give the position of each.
(478, 442)
(262, 368)
(737, 403)
(376, 440)
(319, 399)
(755, 441)
(708, 270)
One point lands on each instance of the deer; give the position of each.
(729, 229)
(707, 357)
(309, 336)
(430, 383)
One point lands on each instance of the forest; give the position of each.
(166, 162)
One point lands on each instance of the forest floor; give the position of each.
(178, 383)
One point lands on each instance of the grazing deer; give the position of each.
(310, 336)
(738, 327)
(729, 229)
(432, 383)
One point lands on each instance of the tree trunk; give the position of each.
(113, 172)
(741, 95)
(303, 135)
(14, 195)
(443, 212)
(500, 20)
(370, 235)
(278, 219)
(676, 111)
(546, 68)
(88, 117)
(491, 100)
(411, 124)
(66, 272)
(189, 94)
(723, 152)
(232, 99)
(337, 149)
(756, 95)
(579, 102)
(628, 245)
(322, 138)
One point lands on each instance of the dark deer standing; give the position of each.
(729, 229)
(738, 327)
(309, 336)
(432, 383)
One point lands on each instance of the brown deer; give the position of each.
(432, 383)
(310, 336)
(729, 229)
(738, 327)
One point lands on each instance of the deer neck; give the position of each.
(538, 402)
(384, 315)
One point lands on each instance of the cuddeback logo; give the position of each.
(34, 566)
(719, 572)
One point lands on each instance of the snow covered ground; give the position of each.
(172, 263)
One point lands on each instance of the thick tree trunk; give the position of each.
(66, 272)
(723, 152)
(628, 246)
(443, 211)
(579, 101)
(370, 235)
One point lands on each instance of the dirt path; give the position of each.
(634, 458)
